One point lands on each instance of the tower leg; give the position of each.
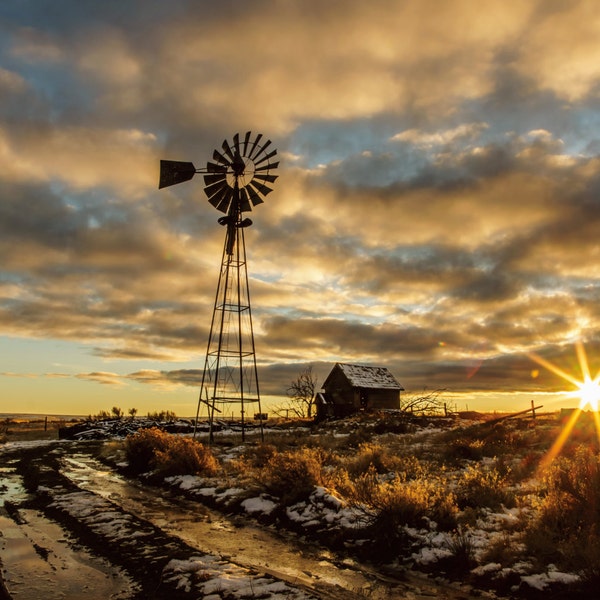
(230, 374)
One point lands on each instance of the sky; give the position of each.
(437, 208)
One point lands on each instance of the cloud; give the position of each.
(102, 377)
(436, 207)
(167, 379)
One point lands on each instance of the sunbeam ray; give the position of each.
(588, 392)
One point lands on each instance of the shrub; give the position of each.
(163, 415)
(368, 456)
(153, 449)
(185, 456)
(292, 476)
(258, 456)
(391, 505)
(383, 461)
(483, 487)
(141, 447)
(464, 449)
(569, 514)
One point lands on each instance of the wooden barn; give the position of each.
(350, 388)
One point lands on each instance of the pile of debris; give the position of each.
(121, 428)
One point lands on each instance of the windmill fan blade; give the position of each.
(263, 189)
(266, 157)
(212, 179)
(246, 140)
(244, 201)
(215, 168)
(267, 178)
(227, 149)
(220, 158)
(258, 138)
(256, 199)
(226, 201)
(217, 195)
(174, 171)
(236, 143)
(261, 149)
(267, 167)
(262, 177)
(214, 188)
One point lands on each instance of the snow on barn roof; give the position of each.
(369, 377)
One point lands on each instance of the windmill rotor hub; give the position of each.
(238, 165)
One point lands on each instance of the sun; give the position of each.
(589, 394)
(587, 388)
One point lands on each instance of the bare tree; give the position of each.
(301, 392)
(424, 404)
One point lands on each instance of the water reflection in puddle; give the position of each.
(40, 561)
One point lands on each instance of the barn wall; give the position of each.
(339, 389)
(384, 399)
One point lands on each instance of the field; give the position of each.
(22, 429)
(470, 503)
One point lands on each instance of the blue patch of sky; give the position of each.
(96, 206)
(584, 137)
(577, 125)
(324, 142)
(51, 16)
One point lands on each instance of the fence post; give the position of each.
(533, 409)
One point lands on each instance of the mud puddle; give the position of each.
(40, 560)
(235, 540)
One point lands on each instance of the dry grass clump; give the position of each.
(391, 504)
(383, 460)
(567, 528)
(153, 449)
(482, 486)
(292, 475)
(462, 549)
(483, 439)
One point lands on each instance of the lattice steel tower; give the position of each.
(237, 180)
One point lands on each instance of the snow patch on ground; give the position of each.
(259, 505)
(214, 579)
(542, 581)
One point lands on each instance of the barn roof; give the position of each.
(362, 376)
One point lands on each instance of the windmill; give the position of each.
(237, 179)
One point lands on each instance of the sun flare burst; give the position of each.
(587, 391)
(589, 394)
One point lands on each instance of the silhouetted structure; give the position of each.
(236, 181)
(351, 388)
